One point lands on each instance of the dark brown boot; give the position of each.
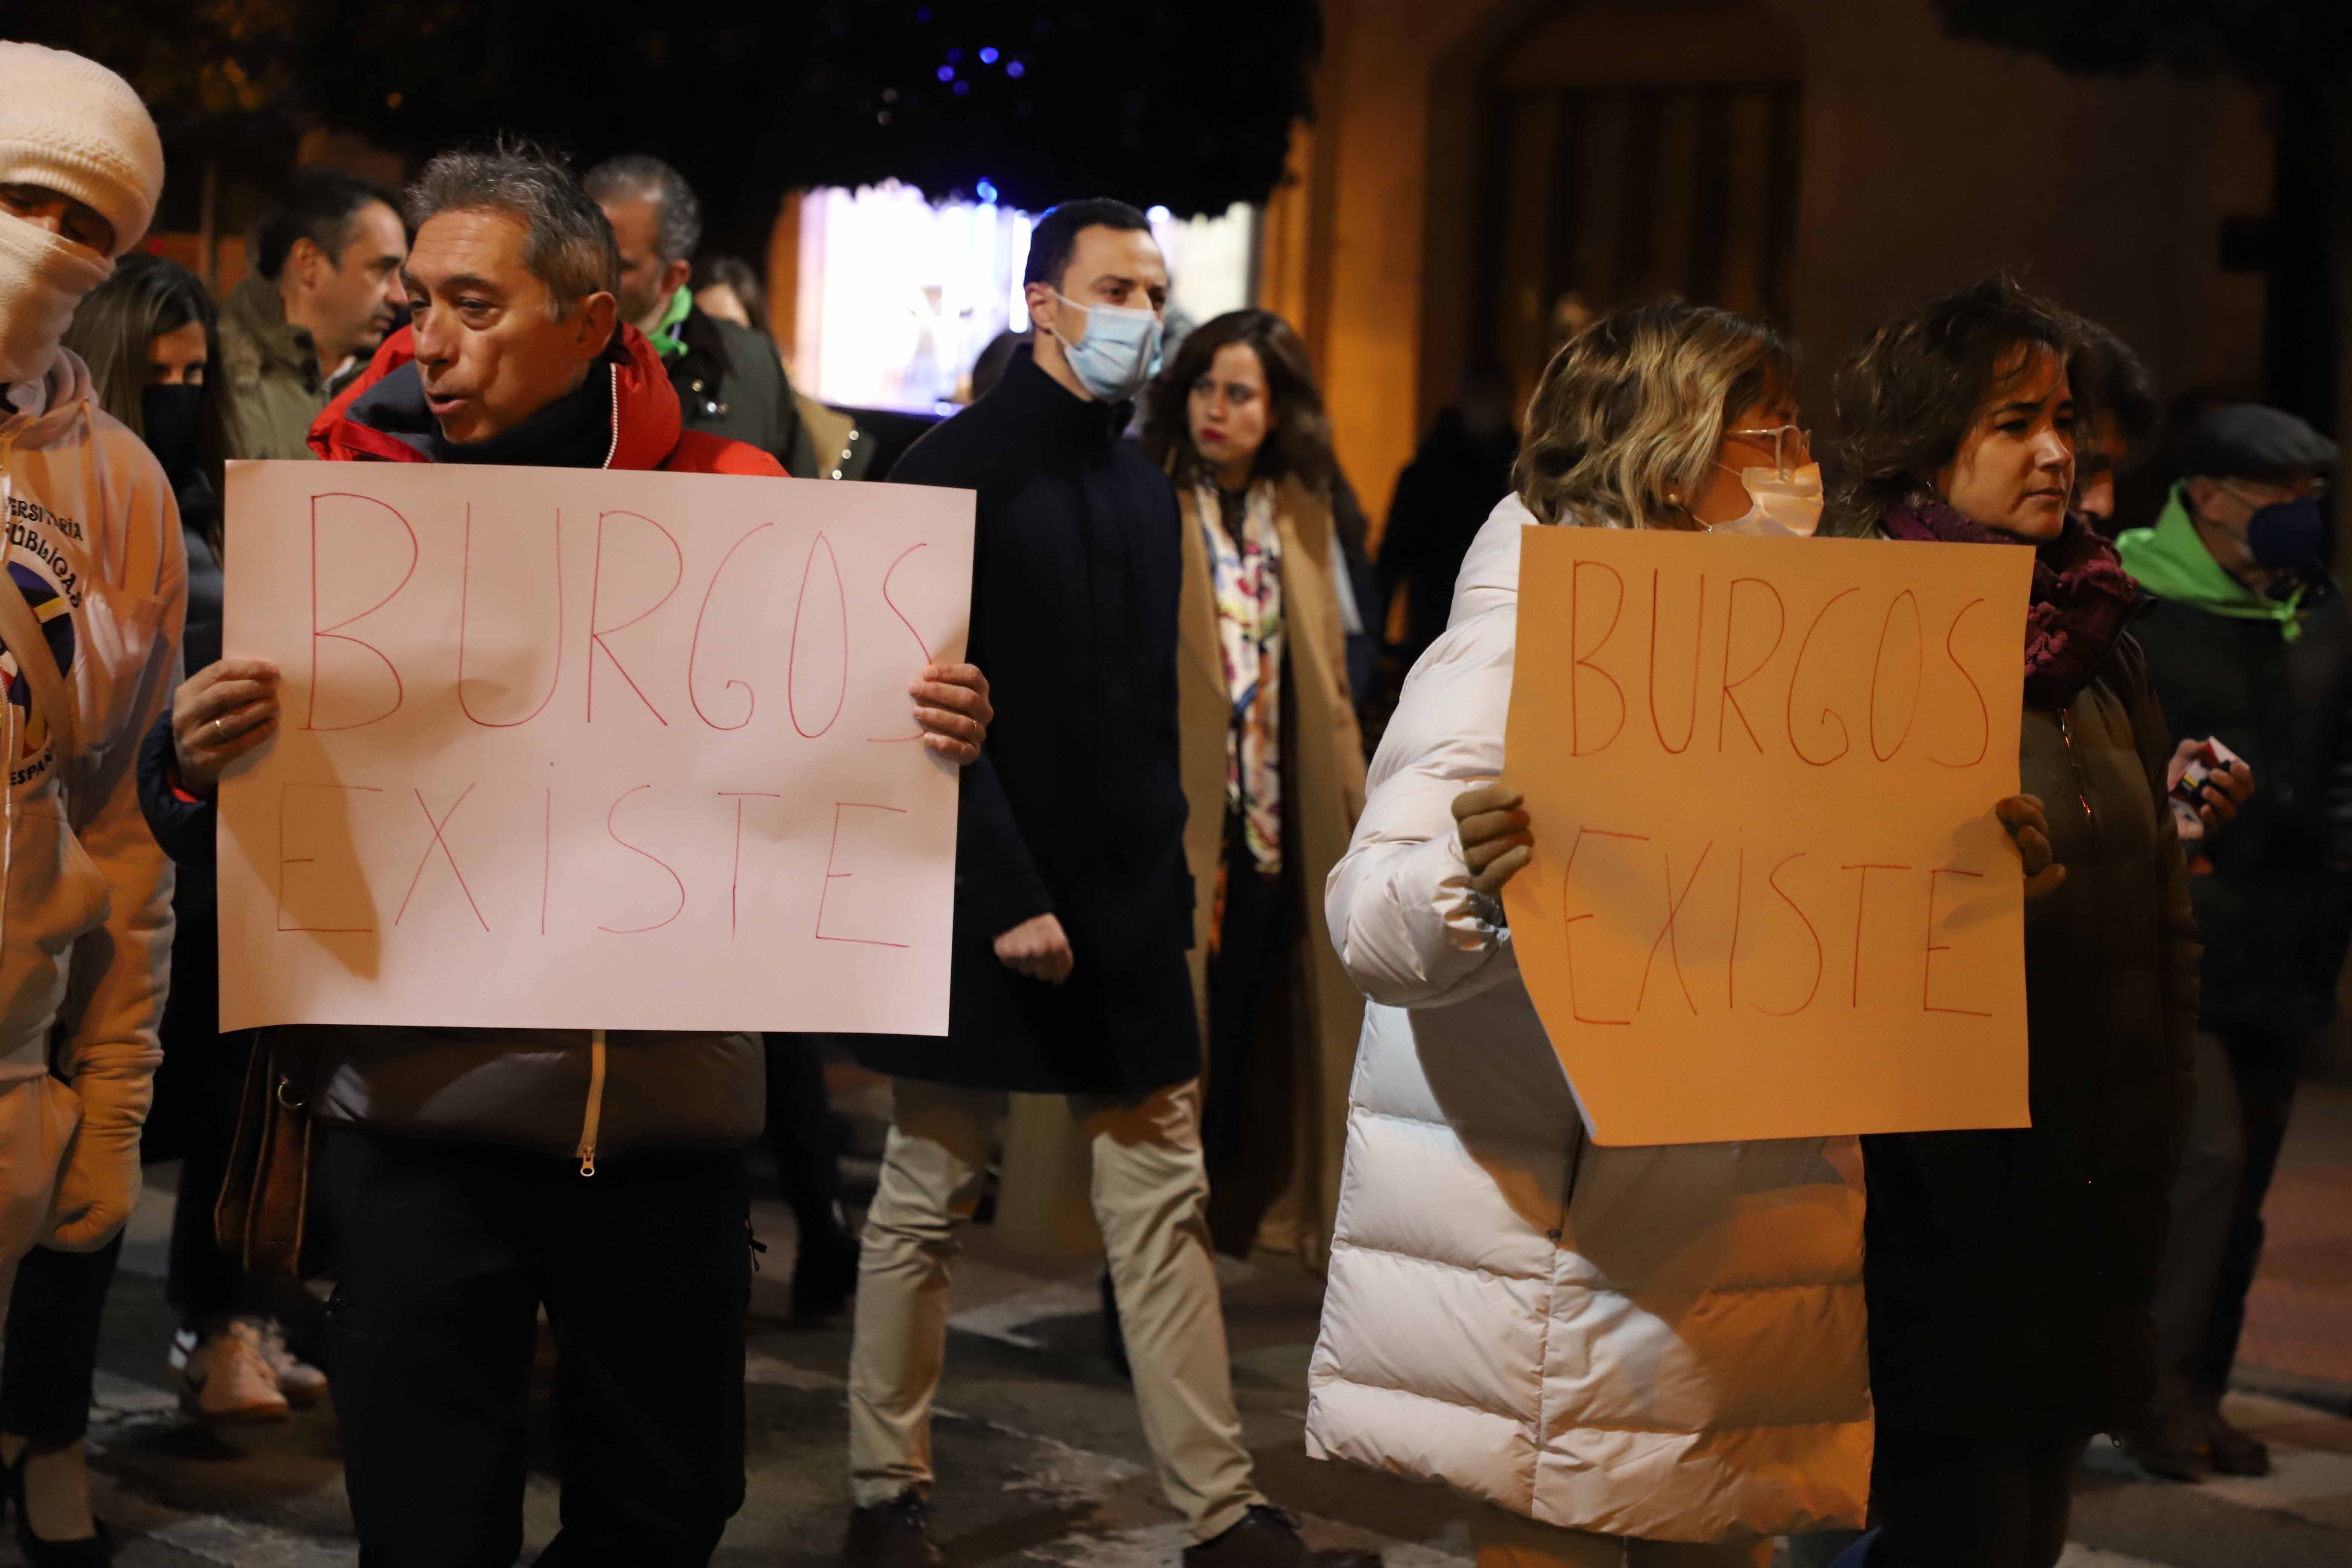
(2169, 1441)
(894, 1535)
(2231, 1451)
(1268, 1538)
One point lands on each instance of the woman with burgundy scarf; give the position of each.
(2009, 1273)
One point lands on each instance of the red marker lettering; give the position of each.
(319, 634)
(1861, 897)
(832, 876)
(1726, 685)
(442, 843)
(751, 699)
(1698, 632)
(285, 860)
(1828, 716)
(613, 833)
(735, 866)
(1984, 714)
(465, 600)
(1878, 668)
(1666, 933)
(596, 634)
(1568, 935)
(1772, 881)
(1928, 968)
(792, 664)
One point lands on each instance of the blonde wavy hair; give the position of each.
(1633, 409)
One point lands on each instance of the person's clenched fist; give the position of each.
(1495, 842)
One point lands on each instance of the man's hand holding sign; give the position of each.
(1761, 836)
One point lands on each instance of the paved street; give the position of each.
(1040, 1456)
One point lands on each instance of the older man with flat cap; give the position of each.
(2248, 641)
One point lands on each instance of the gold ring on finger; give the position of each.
(219, 734)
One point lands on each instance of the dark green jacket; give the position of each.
(2273, 683)
(2011, 1273)
(730, 382)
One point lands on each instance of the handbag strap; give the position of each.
(23, 634)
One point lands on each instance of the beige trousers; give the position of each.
(1505, 1540)
(1151, 1198)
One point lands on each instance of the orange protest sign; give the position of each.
(1768, 896)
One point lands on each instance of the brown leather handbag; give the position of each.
(263, 1217)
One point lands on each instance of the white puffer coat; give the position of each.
(1661, 1342)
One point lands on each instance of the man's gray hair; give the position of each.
(638, 177)
(567, 244)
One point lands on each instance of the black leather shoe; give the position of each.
(1268, 1538)
(894, 1535)
(84, 1552)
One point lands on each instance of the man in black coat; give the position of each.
(2248, 641)
(1073, 912)
(1462, 470)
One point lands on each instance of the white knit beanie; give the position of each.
(74, 126)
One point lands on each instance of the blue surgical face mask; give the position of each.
(2288, 535)
(1118, 351)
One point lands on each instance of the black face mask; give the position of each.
(170, 414)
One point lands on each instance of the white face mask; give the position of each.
(43, 277)
(1790, 507)
(1118, 351)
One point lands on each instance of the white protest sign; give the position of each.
(572, 749)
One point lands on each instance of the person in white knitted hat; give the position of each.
(89, 625)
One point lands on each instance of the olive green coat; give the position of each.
(269, 374)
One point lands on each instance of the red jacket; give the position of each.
(648, 430)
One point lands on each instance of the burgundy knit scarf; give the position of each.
(2080, 599)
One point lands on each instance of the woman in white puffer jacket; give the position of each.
(1653, 1355)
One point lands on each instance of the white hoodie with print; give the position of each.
(93, 545)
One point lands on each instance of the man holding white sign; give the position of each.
(454, 1170)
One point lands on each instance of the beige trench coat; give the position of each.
(1044, 1205)
(1326, 754)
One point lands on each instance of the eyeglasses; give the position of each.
(1792, 446)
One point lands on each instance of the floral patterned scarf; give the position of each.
(1245, 575)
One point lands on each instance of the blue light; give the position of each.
(947, 73)
(987, 192)
(1014, 69)
(988, 57)
(955, 56)
(924, 15)
(1160, 215)
(963, 88)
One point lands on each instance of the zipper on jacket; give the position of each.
(595, 1102)
(2082, 787)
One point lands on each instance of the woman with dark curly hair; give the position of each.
(2011, 1273)
(1273, 769)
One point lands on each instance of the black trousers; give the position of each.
(1248, 1133)
(803, 1136)
(52, 1349)
(450, 1249)
(2263, 1069)
(1943, 1502)
(54, 1315)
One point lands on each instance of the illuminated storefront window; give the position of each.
(897, 296)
